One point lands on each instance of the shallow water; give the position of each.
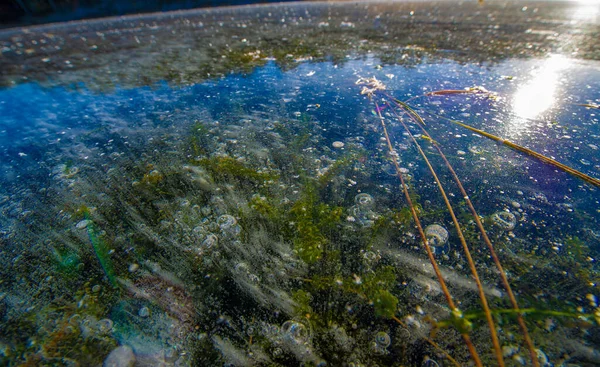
(248, 213)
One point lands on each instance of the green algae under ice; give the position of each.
(245, 186)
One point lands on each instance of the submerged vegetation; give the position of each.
(282, 252)
(308, 226)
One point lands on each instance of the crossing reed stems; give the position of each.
(455, 311)
(473, 269)
(507, 287)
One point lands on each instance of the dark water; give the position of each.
(256, 217)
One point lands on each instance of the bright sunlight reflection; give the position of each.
(538, 94)
(587, 10)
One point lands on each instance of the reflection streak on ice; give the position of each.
(587, 10)
(538, 94)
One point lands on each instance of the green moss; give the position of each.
(297, 133)
(263, 207)
(385, 304)
(101, 249)
(198, 139)
(82, 211)
(54, 334)
(300, 141)
(243, 59)
(302, 299)
(311, 220)
(387, 226)
(67, 262)
(383, 278)
(578, 260)
(338, 166)
(375, 286)
(309, 244)
(228, 168)
(383, 222)
(319, 282)
(328, 216)
(152, 178)
(392, 220)
(68, 169)
(68, 340)
(282, 129)
(576, 248)
(288, 50)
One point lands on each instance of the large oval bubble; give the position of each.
(296, 331)
(364, 201)
(226, 221)
(228, 225)
(436, 235)
(382, 339)
(506, 221)
(210, 241)
(362, 210)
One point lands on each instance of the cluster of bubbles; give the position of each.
(437, 235)
(362, 210)
(212, 229)
(242, 270)
(504, 220)
(210, 241)
(228, 225)
(390, 170)
(364, 201)
(144, 312)
(89, 325)
(430, 363)
(370, 258)
(293, 338)
(475, 149)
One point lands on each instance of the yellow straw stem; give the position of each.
(513, 300)
(434, 344)
(484, 303)
(432, 260)
(541, 157)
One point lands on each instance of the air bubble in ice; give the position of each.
(228, 224)
(436, 235)
(475, 149)
(210, 241)
(227, 221)
(364, 200)
(296, 331)
(144, 312)
(382, 339)
(506, 221)
(361, 211)
(105, 325)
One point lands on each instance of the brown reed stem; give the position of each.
(541, 157)
(395, 318)
(430, 255)
(482, 297)
(511, 296)
(430, 341)
(519, 148)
